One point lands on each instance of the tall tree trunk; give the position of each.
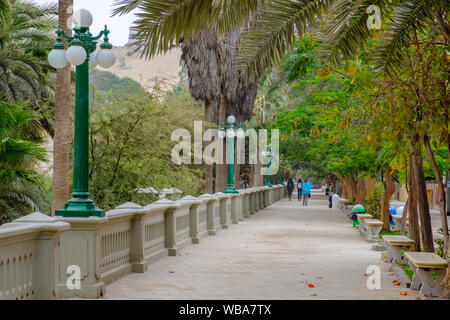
(350, 187)
(62, 137)
(420, 191)
(208, 168)
(413, 217)
(386, 197)
(221, 169)
(361, 192)
(442, 201)
(404, 216)
(344, 189)
(370, 184)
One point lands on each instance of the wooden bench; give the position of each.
(372, 228)
(361, 218)
(423, 264)
(394, 246)
(398, 222)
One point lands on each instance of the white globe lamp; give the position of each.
(231, 134)
(76, 55)
(231, 119)
(106, 58)
(57, 58)
(240, 133)
(82, 18)
(222, 134)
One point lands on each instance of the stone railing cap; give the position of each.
(38, 217)
(129, 205)
(208, 196)
(35, 221)
(164, 202)
(125, 211)
(221, 195)
(189, 200)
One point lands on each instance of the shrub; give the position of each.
(373, 206)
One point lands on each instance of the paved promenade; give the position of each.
(272, 255)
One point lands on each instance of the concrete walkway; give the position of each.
(268, 256)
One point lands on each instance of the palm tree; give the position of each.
(20, 151)
(62, 137)
(278, 23)
(25, 37)
(209, 57)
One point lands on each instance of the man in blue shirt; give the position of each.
(306, 191)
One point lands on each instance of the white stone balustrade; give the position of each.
(38, 252)
(29, 257)
(210, 201)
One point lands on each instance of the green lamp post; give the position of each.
(281, 179)
(81, 53)
(231, 131)
(267, 154)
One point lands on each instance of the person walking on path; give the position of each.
(290, 187)
(306, 191)
(299, 188)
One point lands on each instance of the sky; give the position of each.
(101, 12)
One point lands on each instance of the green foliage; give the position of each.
(130, 141)
(373, 205)
(26, 34)
(20, 152)
(440, 243)
(407, 269)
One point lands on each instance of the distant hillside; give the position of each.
(165, 68)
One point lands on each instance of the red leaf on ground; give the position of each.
(310, 285)
(404, 293)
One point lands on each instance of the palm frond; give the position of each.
(407, 17)
(346, 31)
(163, 24)
(274, 32)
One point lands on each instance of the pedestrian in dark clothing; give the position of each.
(299, 188)
(330, 199)
(290, 187)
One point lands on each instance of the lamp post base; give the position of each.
(268, 185)
(80, 208)
(230, 190)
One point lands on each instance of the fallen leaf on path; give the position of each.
(319, 278)
(310, 285)
(313, 295)
(171, 271)
(404, 293)
(392, 274)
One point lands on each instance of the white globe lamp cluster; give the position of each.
(230, 132)
(76, 54)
